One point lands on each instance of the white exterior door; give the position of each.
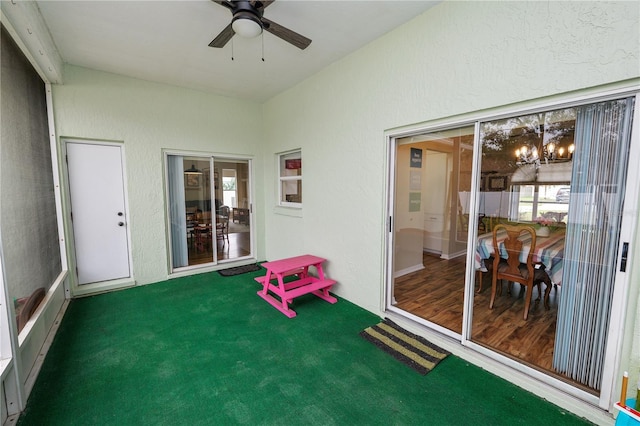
(98, 210)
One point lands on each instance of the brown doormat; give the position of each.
(414, 351)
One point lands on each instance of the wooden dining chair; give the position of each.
(202, 236)
(222, 224)
(488, 265)
(489, 222)
(510, 267)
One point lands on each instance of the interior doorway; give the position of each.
(229, 188)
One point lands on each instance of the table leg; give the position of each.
(265, 283)
(323, 293)
(320, 271)
(304, 273)
(283, 300)
(282, 304)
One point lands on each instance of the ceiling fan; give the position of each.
(248, 22)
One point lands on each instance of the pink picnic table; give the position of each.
(304, 284)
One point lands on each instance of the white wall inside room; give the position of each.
(447, 61)
(436, 213)
(408, 219)
(149, 117)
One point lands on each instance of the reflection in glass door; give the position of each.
(206, 225)
(432, 188)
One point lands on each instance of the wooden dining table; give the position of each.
(548, 250)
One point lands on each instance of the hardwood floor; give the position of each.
(436, 293)
(239, 245)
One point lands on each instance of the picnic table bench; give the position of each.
(304, 283)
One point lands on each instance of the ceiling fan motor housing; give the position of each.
(244, 10)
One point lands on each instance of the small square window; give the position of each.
(290, 179)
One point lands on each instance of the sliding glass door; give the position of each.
(209, 210)
(562, 174)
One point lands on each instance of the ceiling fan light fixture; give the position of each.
(247, 26)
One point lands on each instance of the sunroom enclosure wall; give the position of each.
(439, 68)
(150, 118)
(33, 264)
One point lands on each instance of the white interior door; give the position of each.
(98, 211)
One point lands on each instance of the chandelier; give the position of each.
(550, 153)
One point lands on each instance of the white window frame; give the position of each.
(282, 179)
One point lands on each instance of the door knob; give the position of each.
(120, 223)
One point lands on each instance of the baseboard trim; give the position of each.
(408, 270)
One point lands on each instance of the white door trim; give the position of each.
(99, 287)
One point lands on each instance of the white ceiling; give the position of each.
(167, 41)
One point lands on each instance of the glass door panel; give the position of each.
(233, 206)
(431, 221)
(561, 173)
(190, 211)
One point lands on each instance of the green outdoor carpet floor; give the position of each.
(206, 350)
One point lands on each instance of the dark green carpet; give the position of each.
(206, 350)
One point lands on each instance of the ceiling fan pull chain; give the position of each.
(263, 46)
(232, 49)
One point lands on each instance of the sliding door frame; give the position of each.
(620, 304)
(628, 229)
(392, 139)
(213, 158)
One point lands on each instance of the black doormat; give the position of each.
(414, 351)
(239, 270)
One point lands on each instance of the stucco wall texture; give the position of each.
(457, 59)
